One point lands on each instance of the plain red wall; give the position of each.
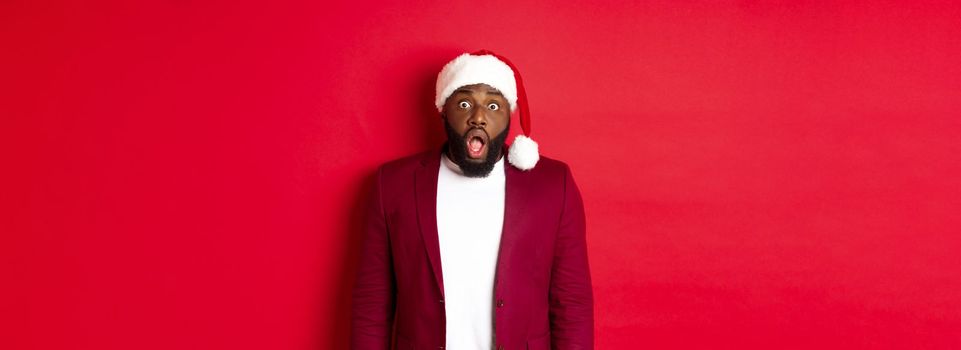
(187, 175)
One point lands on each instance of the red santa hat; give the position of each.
(485, 67)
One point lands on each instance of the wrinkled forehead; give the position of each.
(475, 88)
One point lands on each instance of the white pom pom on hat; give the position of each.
(486, 67)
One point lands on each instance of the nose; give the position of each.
(478, 118)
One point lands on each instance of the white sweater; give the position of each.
(470, 217)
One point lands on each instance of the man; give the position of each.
(465, 252)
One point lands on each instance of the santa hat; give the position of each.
(485, 67)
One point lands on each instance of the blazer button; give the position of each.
(500, 303)
(441, 301)
(441, 347)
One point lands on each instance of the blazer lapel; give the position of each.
(425, 183)
(514, 209)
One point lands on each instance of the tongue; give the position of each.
(476, 145)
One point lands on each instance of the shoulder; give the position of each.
(400, 172)
(550, 179)
(548, 167)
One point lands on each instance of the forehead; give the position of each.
(478, 89)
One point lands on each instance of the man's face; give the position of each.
(477, 120)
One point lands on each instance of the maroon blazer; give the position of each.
(542, 287)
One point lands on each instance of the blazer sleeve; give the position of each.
(374, 291)
(571, 297)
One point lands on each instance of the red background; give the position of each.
(181, 175)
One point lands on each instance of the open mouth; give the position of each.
(476, 140)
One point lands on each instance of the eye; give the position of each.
(464, 104)
(493, 106)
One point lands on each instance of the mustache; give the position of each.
(476, 128)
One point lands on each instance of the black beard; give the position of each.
(457, 151)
